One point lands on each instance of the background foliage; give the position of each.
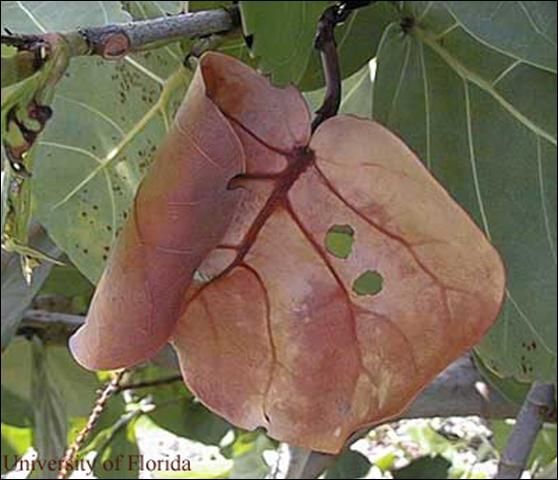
(470, 86)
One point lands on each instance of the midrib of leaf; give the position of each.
(480, 82)
(173, 82)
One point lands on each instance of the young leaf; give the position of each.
(295, 24)
(286, 335)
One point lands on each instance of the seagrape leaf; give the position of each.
(294, 23)
(523, 30)
(16, 293)
(286, 335)
(484, 122)
(108, 118)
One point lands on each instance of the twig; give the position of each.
(116, 40)
(538, 405)
(150, 383)
(107, 392)
(44, 320)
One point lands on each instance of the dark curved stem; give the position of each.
(325, 43)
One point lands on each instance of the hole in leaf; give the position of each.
(339, 240)
(368, 283)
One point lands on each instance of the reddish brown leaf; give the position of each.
(347, 277)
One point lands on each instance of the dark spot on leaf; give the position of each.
(105, 257)
(84, 214)
(109, 228)
(95, 207)
(85, 251)
(368, 283)
(106, 248)
(339, 240)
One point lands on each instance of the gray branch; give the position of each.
(119, 39)
(538, 405)
(52, 327)
(113, 41)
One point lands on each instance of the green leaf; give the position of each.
(15, 442)
(350, 464)
(469, 111)
(119, 456)
(49, 435)
(76, 386)
(16, 293)
(425, 467)
(99, 144)
(16, 375)
(41, 387)
(511, 389)
(294, 23)
(41, 17)
(232, 43)
(247, 455)
(190, 419)
(175, 408)
(199, 5)
(152, 9)
(525, 31)
(357, 42)
(67, 281)
(16, 411)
